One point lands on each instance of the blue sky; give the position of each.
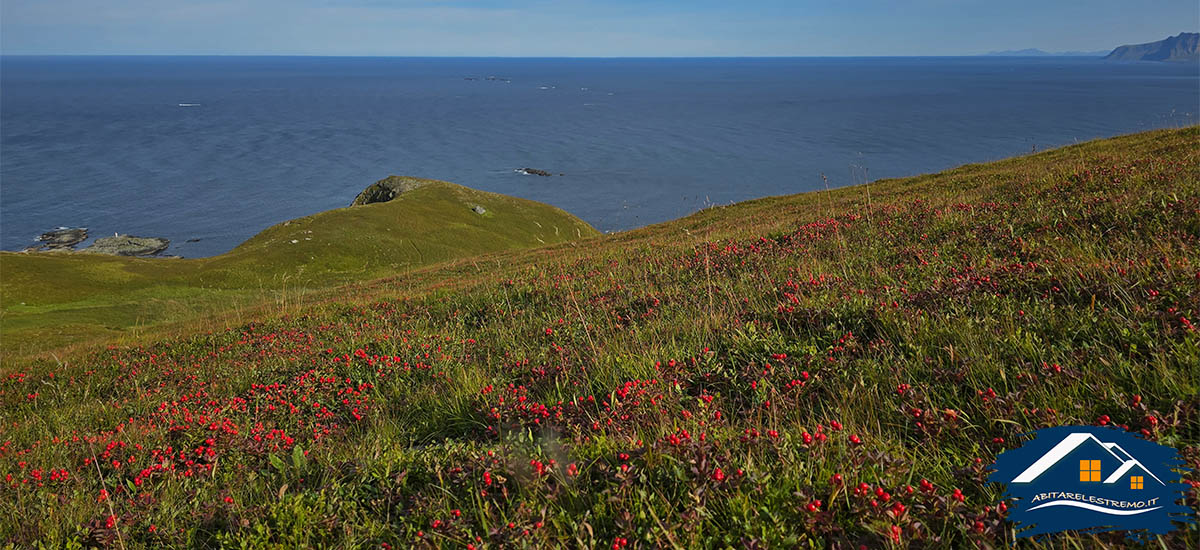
(584, 27)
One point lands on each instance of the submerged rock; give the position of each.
(128, 245)
(63, 237)
(387, 189)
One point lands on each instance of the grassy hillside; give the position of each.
(825, 370)
(50, 300)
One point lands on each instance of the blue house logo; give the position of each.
(1090, 478)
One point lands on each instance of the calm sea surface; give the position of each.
(219, 148)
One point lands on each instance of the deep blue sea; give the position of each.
(219, 148)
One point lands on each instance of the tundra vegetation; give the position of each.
(834, 369)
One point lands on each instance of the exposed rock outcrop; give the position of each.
(64, 239)
(387, 189)
(128, 245)
(61, 238)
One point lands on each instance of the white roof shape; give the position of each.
(1127, 465)
(1069, 444)
(1117, 450)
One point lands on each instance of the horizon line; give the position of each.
(1004, 53)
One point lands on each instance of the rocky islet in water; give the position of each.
(128, 245)
(65, 239)
(62, 238)
(533, 172)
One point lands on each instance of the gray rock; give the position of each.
(478, 209)
(387, 189)
(534, 172)
(64, 237)
(128, 245)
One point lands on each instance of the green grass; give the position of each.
(52, 300)
(586, 394)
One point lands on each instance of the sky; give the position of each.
(584, 28)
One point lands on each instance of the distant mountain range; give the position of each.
(1034, 52)
(1184, 47)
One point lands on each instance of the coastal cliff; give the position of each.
(1183, 47)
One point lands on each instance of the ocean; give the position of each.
(207, 151)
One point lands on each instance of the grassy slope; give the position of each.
(588, 395)
(54, 299)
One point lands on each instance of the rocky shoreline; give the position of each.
(61, 238)
(64, 240)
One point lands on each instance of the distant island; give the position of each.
(1034, 52)
(1183, 47)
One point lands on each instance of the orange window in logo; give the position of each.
(1089, 470)
(1135, 482)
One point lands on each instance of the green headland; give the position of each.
(52, 299)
